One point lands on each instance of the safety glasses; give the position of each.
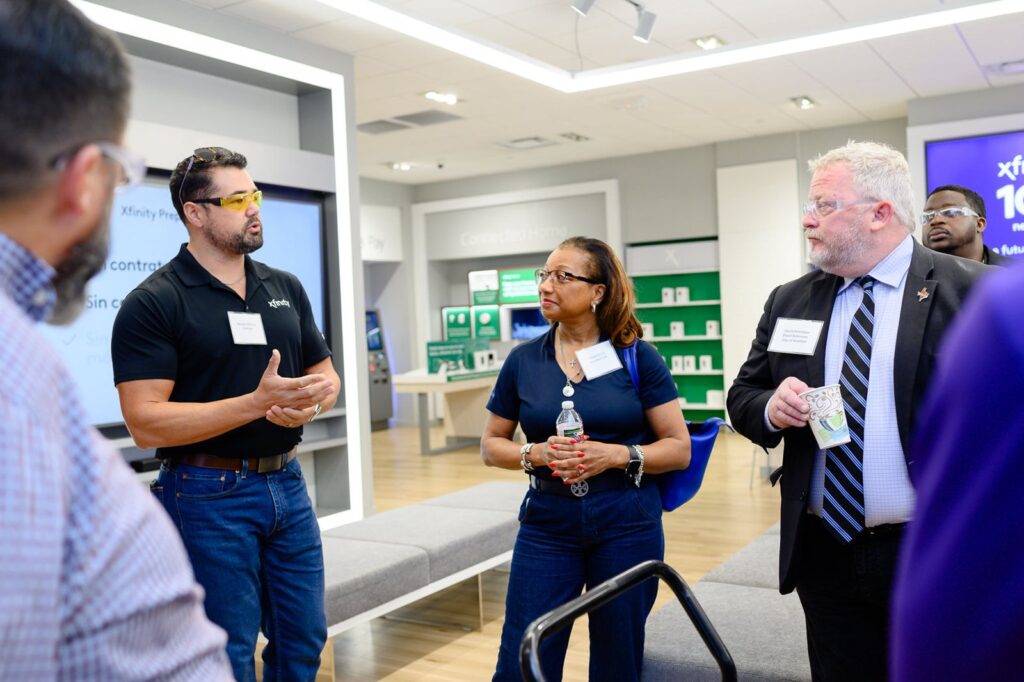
(235, 202)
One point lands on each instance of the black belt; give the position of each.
(264, 465)
(554, 486)
(884, 530)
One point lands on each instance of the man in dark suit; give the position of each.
(954, 222)
(872, 315)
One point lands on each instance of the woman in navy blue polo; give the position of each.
(593, 509)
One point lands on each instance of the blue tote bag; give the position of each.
(679, 486)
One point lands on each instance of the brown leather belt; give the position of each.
(263, 464)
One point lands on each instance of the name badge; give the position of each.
(247, 329)
(797, 337)
(598, 360)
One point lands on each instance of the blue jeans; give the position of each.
(567, 543)
(254, 544)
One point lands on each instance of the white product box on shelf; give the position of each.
(677, 363)
(716, 398)
(704, 363)
(682, 294)
(676, 330)
(714, 328)
(648, 329)
(689, 363)
(668, 295)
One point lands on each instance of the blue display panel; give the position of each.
(374, 339)
(145, 234)
(992, 166)
(527, 323)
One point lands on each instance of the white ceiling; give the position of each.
(867, 81)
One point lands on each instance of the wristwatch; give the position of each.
(635, 465)
(524, 453)
(316, 413)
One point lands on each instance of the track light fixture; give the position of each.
(583, 6)
(644, 22)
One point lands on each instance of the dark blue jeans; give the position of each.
(567, 543)
(254, 544)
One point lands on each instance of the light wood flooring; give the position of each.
(726, 515)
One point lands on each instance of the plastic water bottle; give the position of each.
(569, 423)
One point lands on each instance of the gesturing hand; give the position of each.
(299, 393)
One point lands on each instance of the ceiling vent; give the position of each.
(527, 143)
(574, 137)
(419, 119)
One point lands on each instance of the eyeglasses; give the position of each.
(201, 155)
(823, 209)
(560, 277)
(948, 213)
(132, 167)
(235, 202)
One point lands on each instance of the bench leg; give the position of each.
(444, 624)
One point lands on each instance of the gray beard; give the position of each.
(74, 272)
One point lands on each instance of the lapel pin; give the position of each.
(923, 294)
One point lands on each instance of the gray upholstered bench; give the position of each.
(397, 557)
(763, 630)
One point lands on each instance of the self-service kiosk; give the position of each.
(379, 369)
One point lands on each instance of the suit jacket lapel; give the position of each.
(820, 302)
(918, 296)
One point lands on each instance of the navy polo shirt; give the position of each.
(175, 326)
(529, 391)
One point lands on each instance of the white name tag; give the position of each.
(598, 360)
(247, 329)
(797, 337)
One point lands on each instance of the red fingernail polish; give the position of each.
(565, 482)
(581, 467)
(551, 465)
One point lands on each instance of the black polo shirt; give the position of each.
(175, 326)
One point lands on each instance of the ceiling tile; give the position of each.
(284, 15)
(781, 18)
(995, 40)
(348, 35)
(406, 53)
(932, 62)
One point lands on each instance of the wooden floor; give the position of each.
(725, 516)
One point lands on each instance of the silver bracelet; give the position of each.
(640, 470)
(523, 453)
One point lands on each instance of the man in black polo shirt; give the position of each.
(218, 364)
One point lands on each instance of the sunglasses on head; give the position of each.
(201, 155)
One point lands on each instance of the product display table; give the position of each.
(465, 404)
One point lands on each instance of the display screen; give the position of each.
(527, 323)
(145, 234)
(374, 340)
(992, 166)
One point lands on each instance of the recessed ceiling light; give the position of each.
(574, 137)
(711, 42)
(803, 102)
(400, 166)
(1006, 68)
(449, 98)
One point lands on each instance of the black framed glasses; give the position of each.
(201, 155)
(560, 277)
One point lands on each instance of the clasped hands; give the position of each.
(575, 460)
(290, 402)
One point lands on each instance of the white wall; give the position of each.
(760, 246)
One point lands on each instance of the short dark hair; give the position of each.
(616, 313)
(194, 172)
(64, 82)
(974, 199)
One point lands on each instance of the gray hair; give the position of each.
(879, 172)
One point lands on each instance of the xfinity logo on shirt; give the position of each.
(274, 303)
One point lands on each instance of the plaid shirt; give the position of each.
(94, 581)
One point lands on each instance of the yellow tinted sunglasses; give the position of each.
(235, 202)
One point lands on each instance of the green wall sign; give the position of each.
(457, 322)
(518, 286)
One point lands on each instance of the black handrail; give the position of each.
(557, 619)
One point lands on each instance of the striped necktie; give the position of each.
(843, 502)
